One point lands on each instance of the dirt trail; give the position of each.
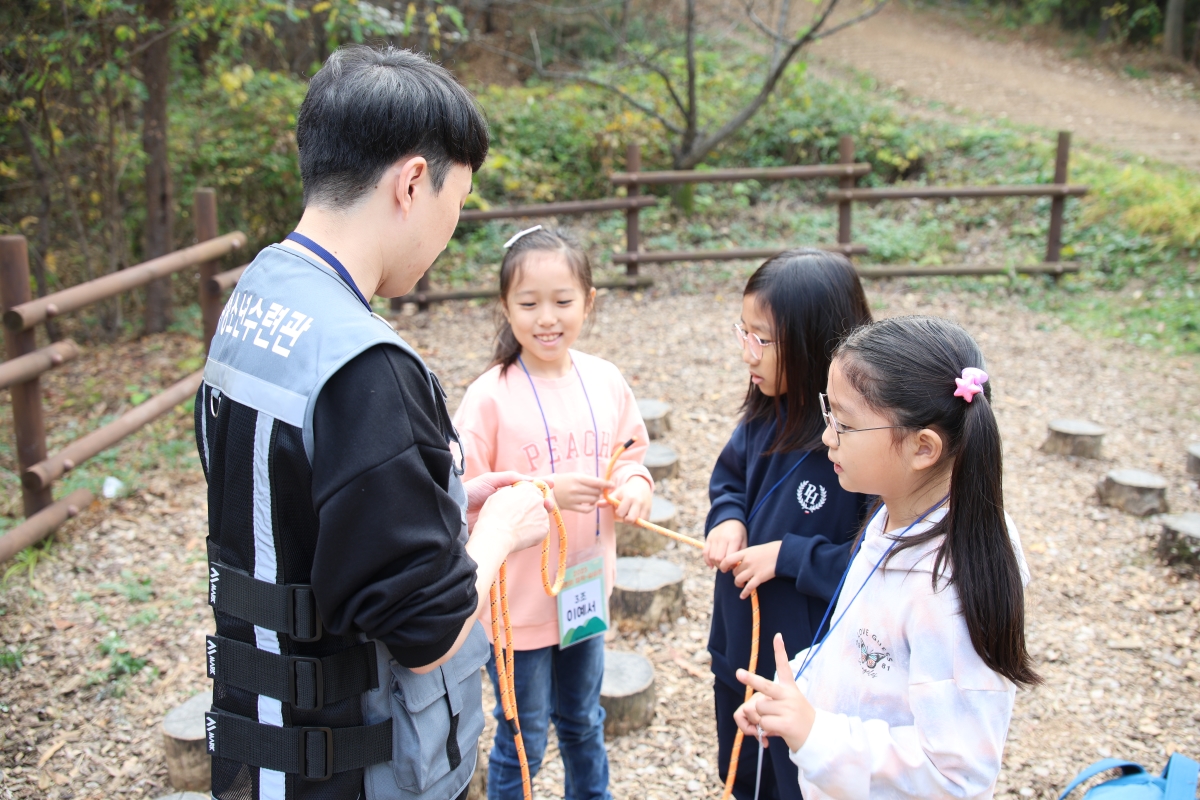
(927, 55)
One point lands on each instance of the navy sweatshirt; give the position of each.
(815, 519)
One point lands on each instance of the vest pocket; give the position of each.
(437, 717)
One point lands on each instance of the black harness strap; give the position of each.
(306, 682)
(289, 608)
(314, 754)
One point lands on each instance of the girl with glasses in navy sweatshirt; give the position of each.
(780, 521)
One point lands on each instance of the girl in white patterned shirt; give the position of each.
(911, 692)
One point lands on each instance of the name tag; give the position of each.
(582, 603)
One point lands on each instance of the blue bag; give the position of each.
(1178, 781)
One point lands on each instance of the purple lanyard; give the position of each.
(332, 261)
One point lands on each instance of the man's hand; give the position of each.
(578, 491)
(518, 512)
(631, 500)
(728, 537)
(481, 488)
(778, 707)
(752, 566)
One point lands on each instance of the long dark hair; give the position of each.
(508, 349)
(815, 298)
(905, 369)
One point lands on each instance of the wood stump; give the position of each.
(633, 540)
(627, 692)
(1179, 543)
(649, 591)
(1133, 491)
(1193, 460)
(657, 416)
(1074, 437)
(188, 764)
(662, 462)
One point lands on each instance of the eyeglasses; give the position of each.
(838, 428)
(752, 341)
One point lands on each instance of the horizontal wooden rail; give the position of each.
(218, 283)
(26, 315)
(639, 282)
(556, 209)
(43, 523)
(806, 173)
(665, 257)
(914, 271)
(30, 365)
(43, 473)
(952, 192)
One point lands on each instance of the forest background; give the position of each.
(112, 112)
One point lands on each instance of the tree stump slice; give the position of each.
(627, 692)
(1133, 491)
(649, 591)
(1193, 460)
(657, 416)
(188, 764)
(1074, 437)
(633, 540)
(662, 462)
(1179, 543)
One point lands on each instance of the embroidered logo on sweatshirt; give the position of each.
(873, 657)
(811, 496)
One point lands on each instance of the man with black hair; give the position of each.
(346, 592)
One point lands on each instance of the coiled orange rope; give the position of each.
(498, 595)
(755, 627)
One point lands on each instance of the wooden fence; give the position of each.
(21, 372)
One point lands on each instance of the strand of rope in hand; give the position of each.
(755, 627)
(498, 594)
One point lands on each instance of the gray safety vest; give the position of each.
(289, 326)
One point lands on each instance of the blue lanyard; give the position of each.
(786, 475)
(332, 261)
(546, 424)
(816, 646)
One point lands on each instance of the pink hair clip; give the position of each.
(971, 383)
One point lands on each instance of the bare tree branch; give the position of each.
(689, 137)
(650, 64)
(843, 25)
(581, 78)
(764, 27)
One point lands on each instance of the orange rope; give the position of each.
(755, 628)
(505, 653)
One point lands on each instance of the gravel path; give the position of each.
(931, 55)
(1114, 633)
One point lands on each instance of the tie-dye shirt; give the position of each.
(905, 706)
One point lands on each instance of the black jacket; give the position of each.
(814, 519)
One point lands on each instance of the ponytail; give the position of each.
(905, 368)
(508, 349)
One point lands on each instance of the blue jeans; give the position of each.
(563, 686)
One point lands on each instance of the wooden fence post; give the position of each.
(633, 164)
(29, 423)
(845, 156)
(1057, 203)
(204, 213)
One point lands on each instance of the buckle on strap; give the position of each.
(306, 682)
(312, 742)
(313, 753)
(317, 680)
(289, 608)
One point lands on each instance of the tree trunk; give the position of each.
(1173, 30)
(160, 204)
(1196, 45)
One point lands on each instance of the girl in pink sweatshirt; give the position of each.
(545, 409)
